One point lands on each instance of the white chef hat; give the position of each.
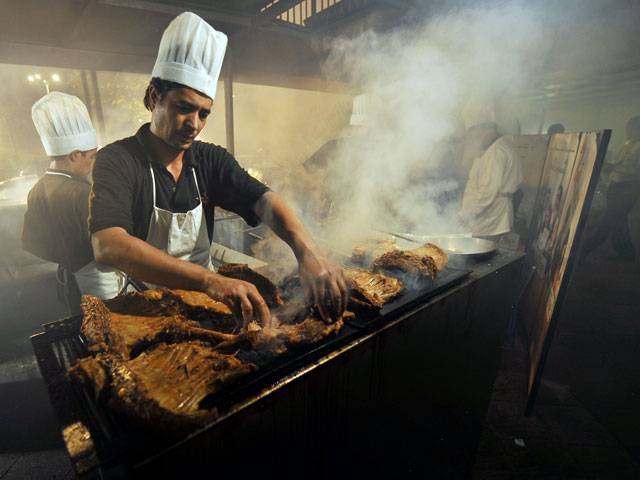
(359, 111)
(191, 53)
(63, 123)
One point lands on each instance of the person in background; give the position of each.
(154, 193)
(55, 222)
(322, 195)
(495, 175)
(555, 128)
(622, 196)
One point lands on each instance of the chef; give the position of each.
(153, 198)
(55, 222)
(321, 196)
(495, 175)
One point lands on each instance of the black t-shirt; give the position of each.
(122, 194)
(55, 223)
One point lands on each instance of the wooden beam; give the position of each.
(272, 12)
(211, 14)
(49, 56)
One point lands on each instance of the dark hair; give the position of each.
(555, 128)
(160, 86)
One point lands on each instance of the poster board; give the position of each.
(567, 183)
(531, 150)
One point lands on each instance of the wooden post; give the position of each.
(228, 103)
(98, 100)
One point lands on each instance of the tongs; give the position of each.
(423, 238)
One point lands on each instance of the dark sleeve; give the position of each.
(81, 209)
(234, 189)
(35, 237)
(320, 159)
(112, 192)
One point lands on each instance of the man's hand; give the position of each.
(324, 285)
(242, 297)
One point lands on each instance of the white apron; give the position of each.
(94, 278)
(99, 280)
(181, 235)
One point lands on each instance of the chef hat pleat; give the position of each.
(191, 53)
(359, 111)
(63, 123)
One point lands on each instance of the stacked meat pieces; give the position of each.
(159, 356)
(154, 361)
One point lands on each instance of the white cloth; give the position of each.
(99, 280)
(63, 123)
(487, 203)
(191, 53)
(359, 111)
(181, 235)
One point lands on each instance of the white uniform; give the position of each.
(487, 204)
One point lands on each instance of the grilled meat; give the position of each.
(364, 253)
(406, 262)
(439, 256)
(128, 335)
(164, 302)
(267, 289)
(163, 388)
(293, 325)
(371, 291)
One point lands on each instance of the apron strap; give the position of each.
(57, 173)
(153, 185)
(195, 179)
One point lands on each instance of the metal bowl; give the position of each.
(469, 247)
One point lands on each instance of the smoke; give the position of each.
(424, 84)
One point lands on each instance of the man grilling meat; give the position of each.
(153, 198)
(55, 223)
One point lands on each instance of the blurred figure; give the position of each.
(555, 128)
(622, 196)
(495, 175)
(323, 197)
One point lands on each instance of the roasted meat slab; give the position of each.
(403, 261)
(267, 289)
(128, 335)
(439, 256)
(165, 302)
(425, 261)
(365, 252)
(162, 388)
(371, 291)
(156, 366)
(281, 337)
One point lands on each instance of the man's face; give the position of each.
(179, 116)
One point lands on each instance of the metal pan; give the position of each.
(462, 245)
(465, 246)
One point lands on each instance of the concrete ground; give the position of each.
(586, 423)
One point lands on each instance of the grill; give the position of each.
(99, 443)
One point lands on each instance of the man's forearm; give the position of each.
(116, 248)
(284, 222)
